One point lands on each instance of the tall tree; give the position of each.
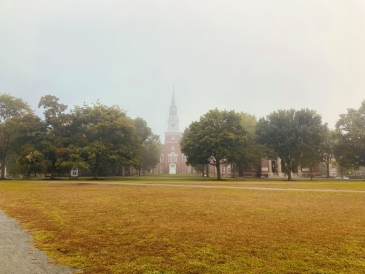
(328, 147)
(12, 123)
(350, 149)
(150, 145)
(250, 151)
(57, 135)
(294, 135)
(143, 131)
(109, 136)
(150, 152)
(215, 136)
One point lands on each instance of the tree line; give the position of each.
(91, 137)
(298, 137)
(97, 137)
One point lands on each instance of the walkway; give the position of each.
(210, 186)
(18, 256)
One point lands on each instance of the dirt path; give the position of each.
(210, 186)
(18, 256)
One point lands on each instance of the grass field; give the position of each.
(162, 229)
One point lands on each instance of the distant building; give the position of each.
(173, 161)
(6, 173)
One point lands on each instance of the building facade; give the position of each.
(172, 160)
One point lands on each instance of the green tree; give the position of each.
(57, 135)
(250, 151)
(28, 141)
(150, 153)
(143, 132)
(31, 160)
(109, 137)
(12, 124)
(327, 148)
(311, 158)
(215, 137)
(294, 135)
(350, 149)
(150, 145)
(188, 147)
(342, 170)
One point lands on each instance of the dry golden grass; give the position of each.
(135, 229)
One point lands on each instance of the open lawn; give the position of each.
(162, 229)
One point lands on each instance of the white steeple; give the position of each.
(173, 120)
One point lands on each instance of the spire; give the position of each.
(173, 120)
(173, 97)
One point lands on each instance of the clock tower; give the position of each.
(172, 160)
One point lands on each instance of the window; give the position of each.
(172, 147)
(184, 169)
(172, 157)
(161, 158)
(223, 169)
(161, 169)
(156, 170)
(183, 158)
(229, 169)
(173, 137)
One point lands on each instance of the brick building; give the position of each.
(172, 160)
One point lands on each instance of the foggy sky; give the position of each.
(251, 56)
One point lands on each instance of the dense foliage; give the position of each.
(92, 137)
(294, 135)
(214, 138)
(350, 150)
(13, 114)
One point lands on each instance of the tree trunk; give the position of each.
(311, 173)
(258, 173)
(240, 170)
(207, 170)
(2, 167)
(95, 175)
(289, 175)
(328, 169)
(289, 168)
(123, 171)
(203, 171)
(218, 165)
(53, 170)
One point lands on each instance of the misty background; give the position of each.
(251, 56)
